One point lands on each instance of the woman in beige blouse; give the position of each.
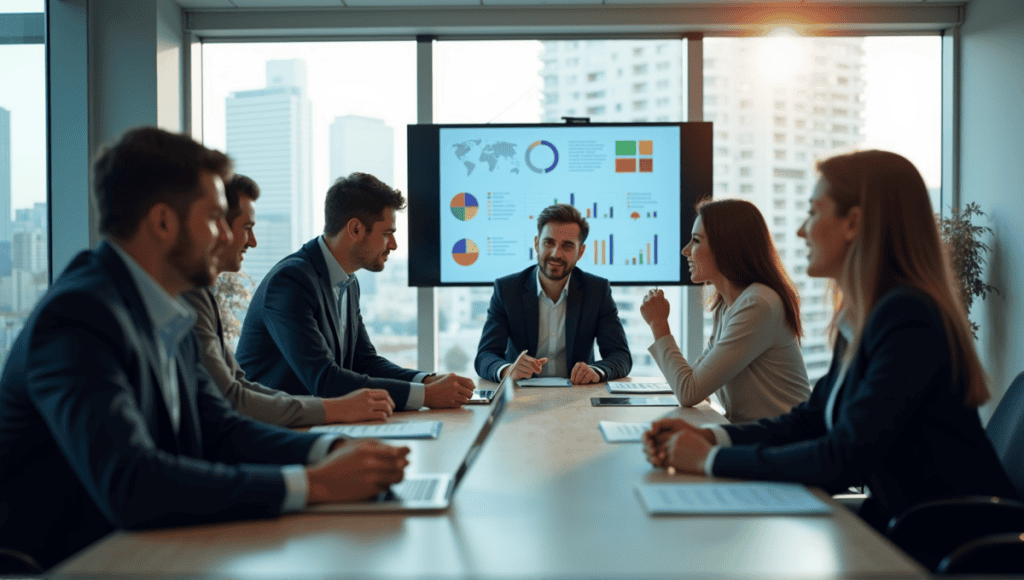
(753, 360)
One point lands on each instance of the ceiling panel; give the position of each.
(426, 4)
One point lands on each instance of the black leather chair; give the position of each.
(13, 562)
(975, 535)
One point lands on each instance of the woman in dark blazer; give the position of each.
(897, 410)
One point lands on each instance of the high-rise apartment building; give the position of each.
(768, 132)
(268, 136)
(5, 192)
(363, 144)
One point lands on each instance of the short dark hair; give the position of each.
(147, 166)
(233, 190)
(563, 213)
(361, 196)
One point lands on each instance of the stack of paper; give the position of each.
(616, 432)
(411, 430)
(729, 499)
(642, 388)
(544, 382)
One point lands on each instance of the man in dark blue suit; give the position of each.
(107, 419)
(303, 332)
(554, 311)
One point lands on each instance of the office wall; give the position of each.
(992, 173)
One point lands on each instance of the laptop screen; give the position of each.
(504, 394)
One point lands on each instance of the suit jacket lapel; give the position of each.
(189, 434)
(572, 317)
(316, 258)
(531, 312)
(153, 390)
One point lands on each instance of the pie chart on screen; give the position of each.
(464, 206)
(465, 252)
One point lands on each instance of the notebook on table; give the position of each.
(428, 492)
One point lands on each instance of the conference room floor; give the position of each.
(547, 497)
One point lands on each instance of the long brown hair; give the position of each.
(744, 253)
(898, 243)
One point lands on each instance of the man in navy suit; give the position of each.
(107, 419)
(554, 311)
(303, 332)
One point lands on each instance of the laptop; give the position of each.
(428, 492)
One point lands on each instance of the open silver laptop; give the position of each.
(429, 492)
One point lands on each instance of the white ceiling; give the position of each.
(426, 4)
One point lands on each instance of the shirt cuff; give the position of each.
(419, 377)
(417, 394)
(721, 435)
(600, 372)
(503, 367)
(710, 461)
(296, 487)
(321, 447)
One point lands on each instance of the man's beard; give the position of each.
(566, 270)
(196, 270)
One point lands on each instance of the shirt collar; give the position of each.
(172, 317)
(334, 269)
(540, 289)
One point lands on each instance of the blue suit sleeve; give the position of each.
(290, 314)
(490, 354)
(92, 410)
(616, 361)
(900, 349)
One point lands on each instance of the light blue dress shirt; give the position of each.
(172, 319)
(339, 285)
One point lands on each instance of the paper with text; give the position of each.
(410, 430)
(729, 499)
(617, 432)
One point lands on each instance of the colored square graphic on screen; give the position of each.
(625, 147)
(646, 165)
(625, 165)
(647, 148)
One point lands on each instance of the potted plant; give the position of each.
(967, 252)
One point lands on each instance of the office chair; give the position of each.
(13, 562)
(975, 534)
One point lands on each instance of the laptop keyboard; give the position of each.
(418, 489)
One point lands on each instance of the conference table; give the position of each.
(546, 497)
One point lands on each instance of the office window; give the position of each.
(24, 216)
(640, 54)
(287, 114)
(859, 91)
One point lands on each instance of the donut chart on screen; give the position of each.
(465, 252)
(533, 146)
(464, 206)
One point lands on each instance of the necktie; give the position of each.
(342, 286)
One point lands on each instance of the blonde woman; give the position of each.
(897, 410)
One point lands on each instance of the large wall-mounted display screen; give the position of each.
(475, 192)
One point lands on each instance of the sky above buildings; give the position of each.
(475, 82)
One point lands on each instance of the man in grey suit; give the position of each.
(250, 398)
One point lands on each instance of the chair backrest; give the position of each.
(1006, 432)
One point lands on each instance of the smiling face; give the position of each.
(558, 249)
(374, 245)
(242, 237)
(203, 234)
(828, 236)
(698, 255)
